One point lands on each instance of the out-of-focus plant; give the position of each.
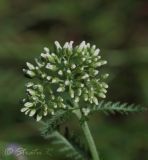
(68, 81)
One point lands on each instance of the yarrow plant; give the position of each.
(68, 80)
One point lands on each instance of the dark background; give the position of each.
(118, 27)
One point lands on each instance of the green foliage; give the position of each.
(54, 122)
(71, 151)
(116, 107)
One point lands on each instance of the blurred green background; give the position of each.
(118, 27)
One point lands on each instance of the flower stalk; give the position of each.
(88, 135)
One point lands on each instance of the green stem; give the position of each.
(88, 137)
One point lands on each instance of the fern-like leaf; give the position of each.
(54, 122)
(111, 107)
(65, 146)
(77, 143)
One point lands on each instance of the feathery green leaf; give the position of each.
(113, 107)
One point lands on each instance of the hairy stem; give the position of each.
(88, 136)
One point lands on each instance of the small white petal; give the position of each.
(83, 59)
(95, 100)
(96, 72)
(76, 99)
(30, 84)
(52, 113)
(69, 71)
(73, 66)
(60, 89)
(102, 95)
(30, 66)
(88, 45)
(96, 52)
(60, 72)
(66, 45)
(27, 112)
(38, 118)
(94, 47)
(65, 62)
(28, 104)
(24, 109)
(104, 85)
(85, 76)
(32, 112)
(71, 93)
(82, 85)
(55, 106)
(48, 78)
(57, 44)
(70, 44)
(82, 45)
(45, 113)
(67, 82)
(46, 49)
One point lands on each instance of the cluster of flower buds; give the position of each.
(66, 78)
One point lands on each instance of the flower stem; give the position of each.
(90, 140)
(88, 136)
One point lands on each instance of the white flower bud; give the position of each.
(102, 95)
(70, 44)
(85, 97)
(29, 73)
(48, 78)
(44, 55)
(32, 112)
(73, 66)
(104, 85)
(105, 75)
(60, 72)
(76, 99)
(71, 93)
(95, 100)
(50, 66)
(31, 92)
(55, 80)
(60, 89)
(67, 82)
(63, 105)
(65, 62)
(30, 84)
(57, 44)
(55, 105)
(26, 112)
(69, 71)
(79, 92)
(82, 45)
(85, 76)
(30, 66)
(83, 59)
(45, 112)
(52, 113)
(38, 118)
(82, 85)
(88, 45)
(86, 111)
(103, 62)
(24, 109)
(94, 47)
(46, 49)
(96, 52)
(66, 45)
(28, 104)
(96, 72)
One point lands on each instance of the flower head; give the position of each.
(67, 78)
